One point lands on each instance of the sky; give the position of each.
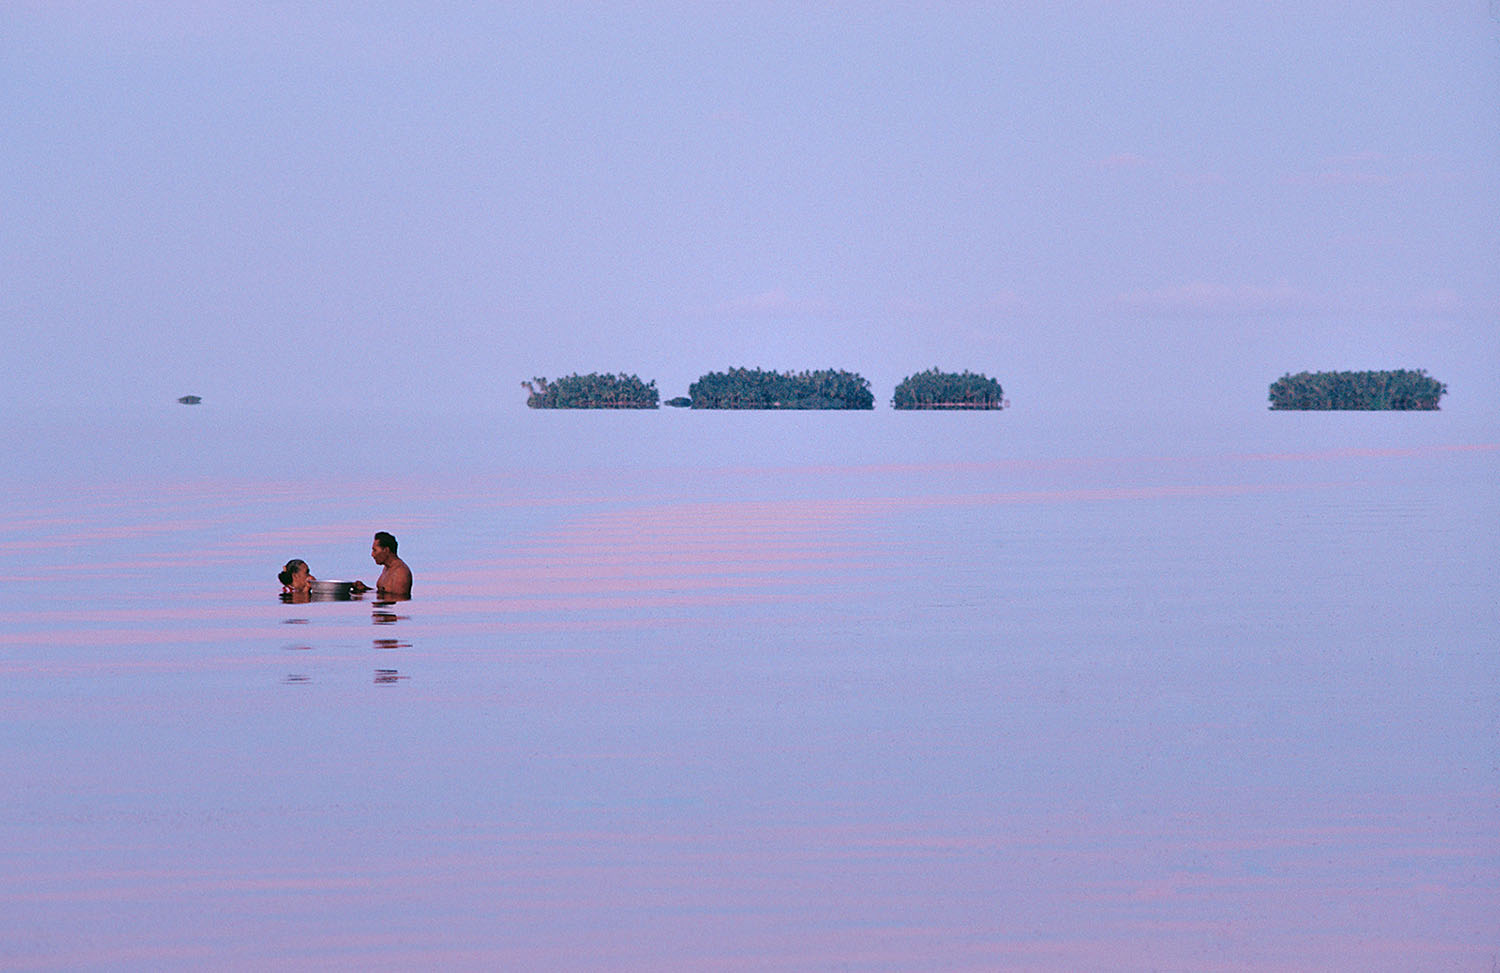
(401, 206)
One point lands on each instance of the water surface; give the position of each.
(754, 690)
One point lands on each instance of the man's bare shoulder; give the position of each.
(396, 578)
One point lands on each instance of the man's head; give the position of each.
(384, 547)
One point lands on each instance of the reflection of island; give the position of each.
(1400, 390)
(933, 389)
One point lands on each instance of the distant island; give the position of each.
(745, 388)
(933, 389)
(1402, 389)
(592, 391)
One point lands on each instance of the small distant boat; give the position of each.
(190, 399)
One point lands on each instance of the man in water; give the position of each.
(395, 576)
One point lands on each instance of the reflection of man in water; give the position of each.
(395, 576)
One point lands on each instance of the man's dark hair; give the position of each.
(387, 541)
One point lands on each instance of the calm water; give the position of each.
(754, 691)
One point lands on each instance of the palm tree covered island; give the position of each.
(756, 388)
(933, 389)
(1401, 389)
(592, 391)
(753, 388)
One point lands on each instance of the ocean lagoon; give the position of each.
(745, 691)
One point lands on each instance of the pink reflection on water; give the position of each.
(525, 872)
(791, 518)
(60, 638)
(1058, 464)
(198, 614)
(1010, 891)
(1366, 452)
(689, 556)
(96, 666)
(96, 535)
(671, 557)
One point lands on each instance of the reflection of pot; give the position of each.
(332, 590)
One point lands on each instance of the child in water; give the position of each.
(295, 578)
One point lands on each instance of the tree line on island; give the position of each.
(1401, 389)
(933, 389)
(592, 391)
(755, 388)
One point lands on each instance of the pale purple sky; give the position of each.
(1098, 203)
